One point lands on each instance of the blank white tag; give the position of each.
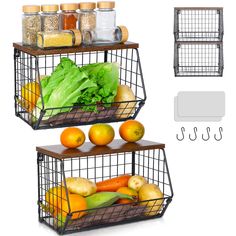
(201, 104)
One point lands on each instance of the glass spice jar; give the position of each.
(58, 39)
(31, 24)
(69, 16)
(50, 18)
(106, 15)
(87, 16)
(119, 34)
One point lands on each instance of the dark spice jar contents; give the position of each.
(69, 16)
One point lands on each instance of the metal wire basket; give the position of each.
(32, 63)
(56, 163)
(198, 24)
(198, 59)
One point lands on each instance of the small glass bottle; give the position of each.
(87, 16)
(58, 39)
(106, 19)
(119, 34)
(50, 18)
(106, 15)
(31, 24)
(69, 16)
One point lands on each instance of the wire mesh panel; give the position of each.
(198, 24)
(31, 69)
(52, 173)
(198, 59)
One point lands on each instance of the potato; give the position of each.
(149, 192)
(81, 186)
(125, 94)
(136, 182)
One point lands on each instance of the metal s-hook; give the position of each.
(208, 134)
(182, 131)
(195, 133)
(220, 131)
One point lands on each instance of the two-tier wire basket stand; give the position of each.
(198, 49)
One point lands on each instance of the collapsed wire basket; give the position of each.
(55, 164)
(198, 24)
(198, 48)
(31, 64)
(198, 59)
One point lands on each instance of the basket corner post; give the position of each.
(40, 158)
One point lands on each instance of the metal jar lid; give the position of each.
(106, 5)
(49, 8)
(69, 6)
(31, 8)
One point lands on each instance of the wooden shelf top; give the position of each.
(35, 51)
(88, 149)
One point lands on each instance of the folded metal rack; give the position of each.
(198, 49)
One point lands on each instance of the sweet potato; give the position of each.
(112, 185)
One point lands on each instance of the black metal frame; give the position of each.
(151, 164)
(198, 24)
(198, 59)
(29, 68)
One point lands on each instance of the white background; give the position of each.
(203, 173)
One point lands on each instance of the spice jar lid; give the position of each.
(87, 5)
(69, 6)
(106, 5)
(31, 8)
(124, 33)
(49, 8)
(78, 37)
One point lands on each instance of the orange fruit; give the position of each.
(128, 191)
(30, 94)
(53, 198)
(77, 203)
(101, 134)
(131, 131)
(72, 137)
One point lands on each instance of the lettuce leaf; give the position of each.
(69, 85)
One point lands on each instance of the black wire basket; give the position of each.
(55, 164)
(198, 59)
(31, 64)
(198, 24)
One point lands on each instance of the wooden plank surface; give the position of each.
(82, 48)
(88, 149)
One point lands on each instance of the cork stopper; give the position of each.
(78, 37)
(124, 33)
(31, 8)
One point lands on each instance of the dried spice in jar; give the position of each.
(50, 18)
(69, 16)
(57, 39)
(87, 16)
(31, 24)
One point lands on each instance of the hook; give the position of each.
(195, 133)
(182, 131)
(220, 131)
(208, 134)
